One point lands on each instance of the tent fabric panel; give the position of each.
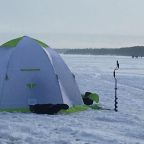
(66, 78)
(4, 57)
(11, 43)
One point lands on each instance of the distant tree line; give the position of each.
(135, 51)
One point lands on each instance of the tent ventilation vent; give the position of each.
(31, 69)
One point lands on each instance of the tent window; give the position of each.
(31, 69)
(31, 85)
(6, 77)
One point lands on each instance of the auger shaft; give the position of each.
(116, 98)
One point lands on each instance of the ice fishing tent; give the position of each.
(32, 73)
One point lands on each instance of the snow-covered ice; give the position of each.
(93, 73)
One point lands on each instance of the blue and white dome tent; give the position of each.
(32, 73)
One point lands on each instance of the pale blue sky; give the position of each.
(74, 23)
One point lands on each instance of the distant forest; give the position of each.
(135, 51)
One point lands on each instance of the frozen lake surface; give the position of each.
(93, 73)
